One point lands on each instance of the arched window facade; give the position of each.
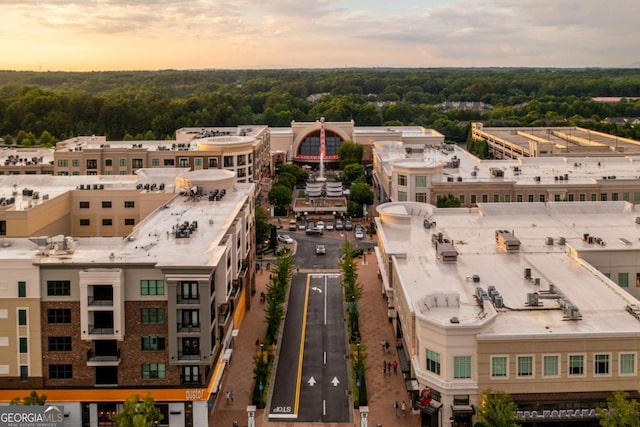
(310, 145)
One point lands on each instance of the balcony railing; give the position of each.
(93, 357)
(188, 299)
(101, 301)
(190, 355)
(188, 327)
(98, 330)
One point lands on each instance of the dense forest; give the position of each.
(42, 107)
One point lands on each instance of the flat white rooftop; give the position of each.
(440, 291)
(561, 172)
(153, 240)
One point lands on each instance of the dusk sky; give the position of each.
(80, 35)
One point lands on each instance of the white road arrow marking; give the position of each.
(312, 381)
(335, 381)
(315, 288)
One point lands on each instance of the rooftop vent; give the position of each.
(507, 241)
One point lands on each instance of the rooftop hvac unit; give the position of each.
(562, 241)
(527, 273)
(548, 241)
(479, 292)
(492, 291)
(475, 278)
(532, 299)
(498, 301)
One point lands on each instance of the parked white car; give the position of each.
(285, 238)
(320, 225)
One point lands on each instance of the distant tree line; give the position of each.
(43, 107)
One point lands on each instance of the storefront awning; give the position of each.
(463, 409)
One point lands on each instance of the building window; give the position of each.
(213, 162)
(107, 222)
(155, 162)
(576, 364)
(402, 180)
(519, 198)
(24, 345)
(108, 162)
(433, 362)
(57, 288)
(499, 366)
(525, 366)
(583, 197)
(106, 204)
(594, 197)
(92, 164)
(623, 280)
(183, 162)
(129, 204)
(153, 371)
(169, 162)
(129, 221)
(22, 317)
(123, 162)
(614, 197)
(59, 315)
(625, 196)
(24, 373)
(462, 367)
(60, 372)
(84, 205)
(485, 198)
(75, 163)
(59, 343)
(152, 343)
(570, 197)
(496, 198)
(542, 198)
(627, 363)
(402, 196)
(421, 180)
(191, 374)
(550, 366)
(228, 161)
(601, 364)
(151, 287)
(22, 289)
(197, 161)
(63, 163)
(530, 198)
(461, 198)
(556, 197)
(152, 315)
(137, 164)
(85, 222)
(473, 199)
(421, 197)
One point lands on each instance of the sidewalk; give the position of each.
(383, 389)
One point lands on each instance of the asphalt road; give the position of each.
(311, 380)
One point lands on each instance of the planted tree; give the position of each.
(33, 399)
(349, 152)
(497, 409)
(136, 413)
(621, 411)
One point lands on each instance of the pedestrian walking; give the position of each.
(403, 407)
(389, 367)
(228, 396)
(395, 367)
(384, 345)
(384, 367)
(231, 395)
(396, 406)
